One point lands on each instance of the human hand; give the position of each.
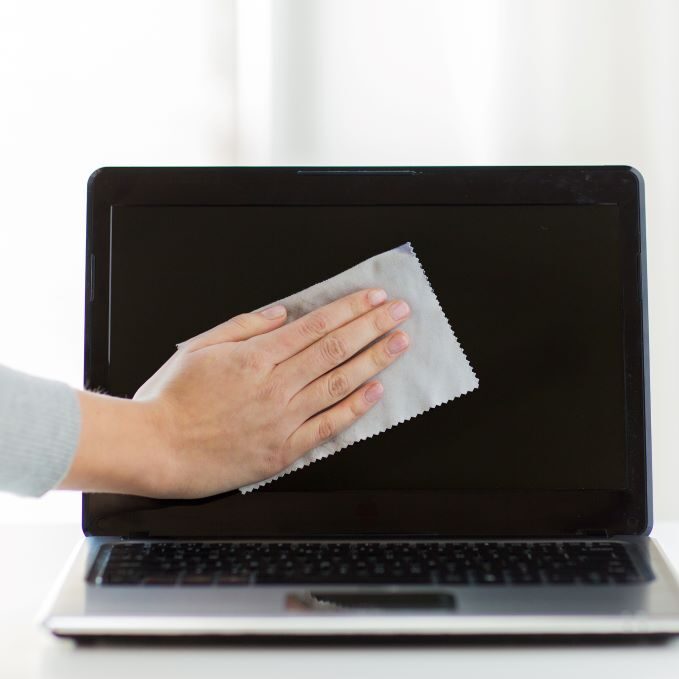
(242, 401)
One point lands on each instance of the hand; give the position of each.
(242, 401)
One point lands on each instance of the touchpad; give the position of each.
(329, 600)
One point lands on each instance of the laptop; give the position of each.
(522, 508)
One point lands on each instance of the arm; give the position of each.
(240, 402)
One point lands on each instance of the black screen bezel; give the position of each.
(349, 514)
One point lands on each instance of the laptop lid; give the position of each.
(539, 269)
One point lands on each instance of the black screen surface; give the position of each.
(532, 292)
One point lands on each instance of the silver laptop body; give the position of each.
(81, 610)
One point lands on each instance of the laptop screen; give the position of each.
(534, 294)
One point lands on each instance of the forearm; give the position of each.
(119, 449)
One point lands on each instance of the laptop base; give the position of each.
(82, 610)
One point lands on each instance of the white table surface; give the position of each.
(34, 555)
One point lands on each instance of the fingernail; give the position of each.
(374, 392)
(275, 311)
(376, 297)
(399, 310)
(398, 342)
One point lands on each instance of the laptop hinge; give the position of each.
(593, 533)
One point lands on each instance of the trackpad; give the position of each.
(329, 600)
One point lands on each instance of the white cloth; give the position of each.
(431, 372)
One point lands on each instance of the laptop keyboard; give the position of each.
(285, 563)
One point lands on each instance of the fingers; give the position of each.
(340, 345)
(239, 328)
(290, 339)
(329, 423)
(338, 383)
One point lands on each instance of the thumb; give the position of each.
(238, 328)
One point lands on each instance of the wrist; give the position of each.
(120, 447)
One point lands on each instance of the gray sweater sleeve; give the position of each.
(39, 431)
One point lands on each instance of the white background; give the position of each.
(85, 84)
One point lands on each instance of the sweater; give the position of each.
(39, 430)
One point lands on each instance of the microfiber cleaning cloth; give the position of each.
(434, 369)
